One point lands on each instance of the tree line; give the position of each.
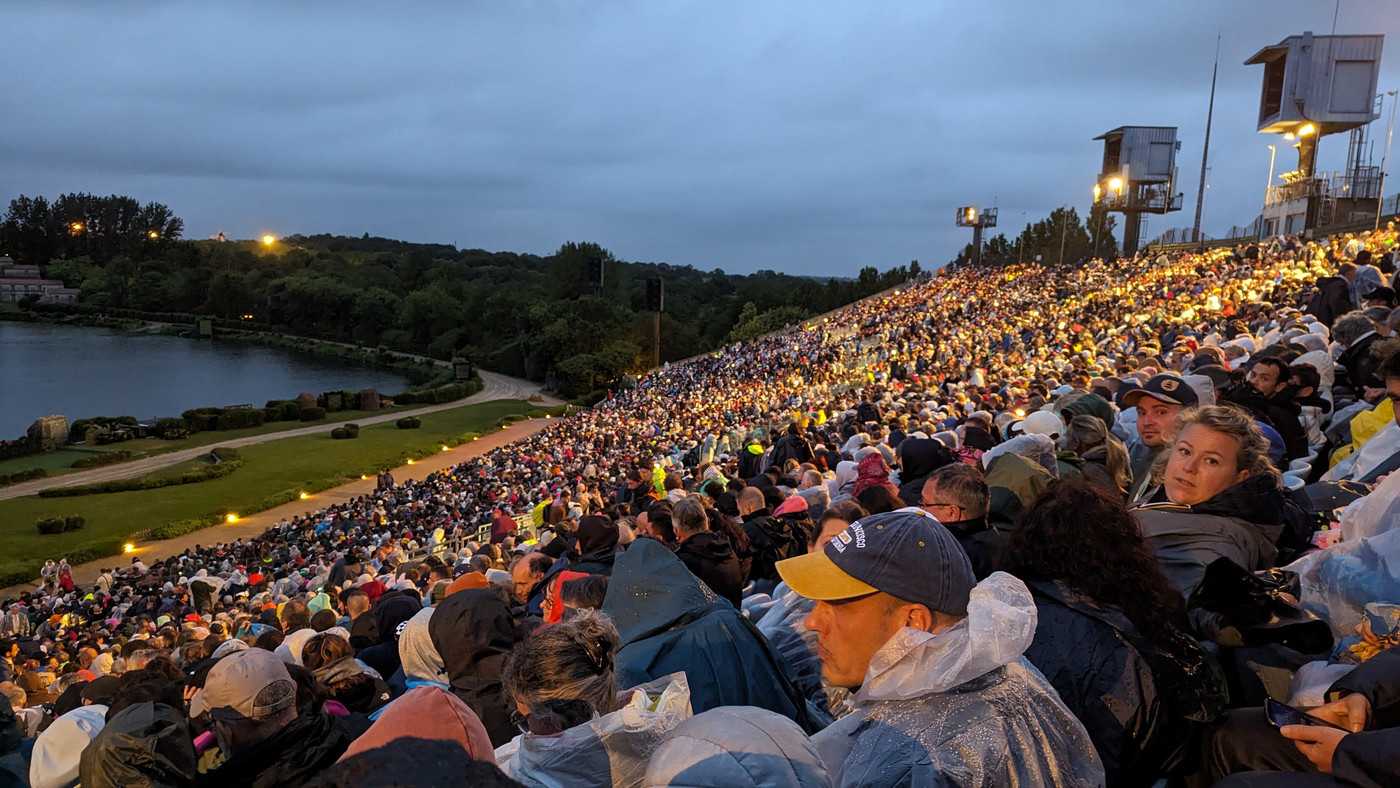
(521, 314)
(1061, 235)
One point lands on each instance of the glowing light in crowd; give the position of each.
(444, 447)
(232, 518)
(410, 460)
(128, 548)
(304, 496)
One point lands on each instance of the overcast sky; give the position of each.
(808, 136)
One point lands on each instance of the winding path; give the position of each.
(494, 387)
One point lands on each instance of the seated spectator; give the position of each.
(55, 762)
(737, 747)
(582, 593)
(958, 496)
(597, 545)
(143, 744)
(580, 731)
(942, 693)
(1360, 750)
(474, 633)
(1110, 631)
(329, 657)
(250, 700)
(668, 621)
(1090, 449)
(426, 712)
(707, 554)
(1219, 497)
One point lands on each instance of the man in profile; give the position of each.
(942, 694)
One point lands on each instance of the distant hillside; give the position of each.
(520, 314)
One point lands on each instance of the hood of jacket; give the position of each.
(147, 745)
(919, 458)
(739, 746)
(293, 755)
(999, 627)
(651, 591)
(474, 633)
(709, 546)
(426, 713)
(54, 763)
(390, 611)
(419, 657)
(597, 539)
(1258, 500)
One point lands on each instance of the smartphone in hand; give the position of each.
(1281, 714)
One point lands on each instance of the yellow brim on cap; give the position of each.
(815, 576)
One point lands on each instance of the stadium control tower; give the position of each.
(1138, 176)
(1315, 86)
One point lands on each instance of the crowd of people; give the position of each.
(1027, 525)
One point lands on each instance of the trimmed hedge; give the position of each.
(23, 476)
(106, 422)
(171, 429)
(240, 419)
(439, 395)
(60, 525)
(229, 461)
(409, 423)
(313, 414)
(346, 432)
(99, 460)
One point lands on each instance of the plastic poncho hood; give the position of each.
(144, 745)
(737, 747)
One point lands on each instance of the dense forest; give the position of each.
(519, 314)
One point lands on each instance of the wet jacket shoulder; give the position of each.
(143, 746)
(474, 633)
(1086, 652)
(303, 749)
(1243, 523)
(668, 621)
(711, 558)
(982, 543)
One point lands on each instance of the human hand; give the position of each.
(190, 692)
(1351, 713)
(1316, 742)
(1364, 630)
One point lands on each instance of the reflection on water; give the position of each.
(79, 372)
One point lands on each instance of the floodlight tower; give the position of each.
(976, 218)
(1315, 86)
(1138, 176)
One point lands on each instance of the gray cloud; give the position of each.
(806, 137)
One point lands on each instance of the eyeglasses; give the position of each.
(936, 505)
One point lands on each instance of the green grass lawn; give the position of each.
(313, 462)
(55, 462)
(59, 462)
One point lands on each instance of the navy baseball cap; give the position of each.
(1170, 389)
(906, 553)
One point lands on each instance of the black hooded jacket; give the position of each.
(1280, 411)
(596, 548)
(389, 612)
(918, 459)
(147, 745)
(308, 745)
(710, 557)
(474, 633)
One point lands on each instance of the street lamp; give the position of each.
(269, 240)
(153, 234)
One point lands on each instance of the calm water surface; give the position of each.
(78, 372)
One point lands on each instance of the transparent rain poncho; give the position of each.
(962, 707)
(1337, 583)
(612, 749)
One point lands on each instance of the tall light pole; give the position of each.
(1385, 161)
(1270, 183)
(1064, 219)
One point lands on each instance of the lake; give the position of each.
(79, 372)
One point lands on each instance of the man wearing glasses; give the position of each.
(957, 495)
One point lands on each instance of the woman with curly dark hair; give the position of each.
(1111, 631)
